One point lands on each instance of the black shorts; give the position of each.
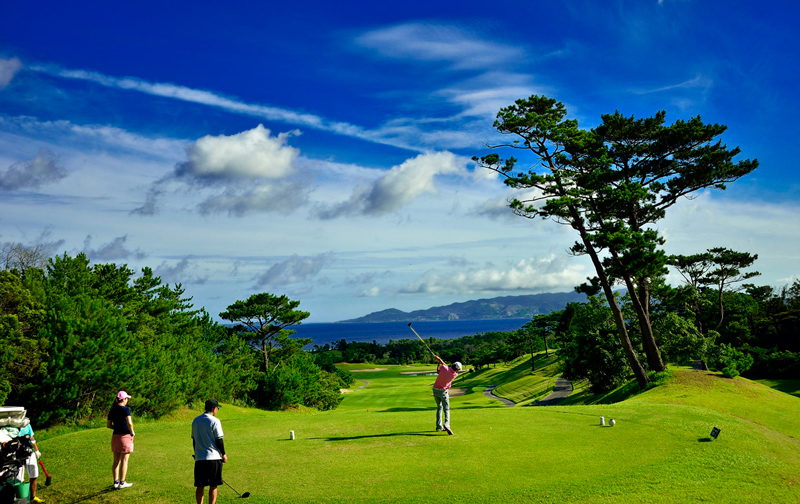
(207, 473)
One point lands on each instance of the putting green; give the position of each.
(379, 446)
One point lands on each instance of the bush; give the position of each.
(731, 361)
(680, 341)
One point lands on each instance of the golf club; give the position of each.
(49, 479)
(242, 496)
(422, 340)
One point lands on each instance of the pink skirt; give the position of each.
(122, 443)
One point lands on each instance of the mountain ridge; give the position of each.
(502, 307)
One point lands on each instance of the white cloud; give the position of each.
(371, 292)
(551, 274)
(397, 188)
(293, 270)
(42, 169)
(438, 43)
(250, 154)
(8, 69)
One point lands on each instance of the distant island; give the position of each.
(504, 307)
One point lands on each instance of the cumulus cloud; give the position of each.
(251, 154)
(111, 251)
(42, 169)
(549, 273)
(397, 188)
(257, 172)
(182, 272)
(438, 43)
(293, 270)
(8, 69)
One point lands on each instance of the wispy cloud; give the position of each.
(8, 69)
(42, 169)
(548, 273)
(698, 82)
(111, 251)
(296, 269)
(183, 272)
(70, 133)
(231, 105)
(438, 43)
(279, 197)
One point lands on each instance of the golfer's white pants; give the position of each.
(442, 405)
(31, 466)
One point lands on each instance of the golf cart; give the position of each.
(14, 452)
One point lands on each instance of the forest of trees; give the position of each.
(73, 333)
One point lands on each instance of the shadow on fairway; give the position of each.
(433, 408)
(86, 498)
(348, 438)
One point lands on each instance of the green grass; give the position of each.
(379, 446)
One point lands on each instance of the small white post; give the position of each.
(291, 435)
(602, 420)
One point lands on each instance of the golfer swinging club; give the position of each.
(441, 392)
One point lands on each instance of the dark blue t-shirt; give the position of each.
(119, 418)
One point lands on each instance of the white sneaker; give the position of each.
(116, 485)
(122, 485)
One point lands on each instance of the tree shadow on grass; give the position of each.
(393, 434)
(87, 498)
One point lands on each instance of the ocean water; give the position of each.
(382, 332)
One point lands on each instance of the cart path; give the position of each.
(489, 392)
(365, 384)
(562, 390)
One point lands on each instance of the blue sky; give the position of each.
(322, 151)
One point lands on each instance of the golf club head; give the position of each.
(48, 481)
(409, 324)
(245, 495)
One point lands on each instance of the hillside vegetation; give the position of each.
(379, 446)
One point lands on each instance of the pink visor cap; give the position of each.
(123, 395)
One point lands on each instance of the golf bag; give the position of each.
(13, 456)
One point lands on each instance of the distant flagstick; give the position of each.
(422, 340)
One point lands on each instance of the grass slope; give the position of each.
(379, 447)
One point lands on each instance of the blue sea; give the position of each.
(382, 332)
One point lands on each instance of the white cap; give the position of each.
(457, 366)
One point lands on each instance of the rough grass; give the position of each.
(659, 451)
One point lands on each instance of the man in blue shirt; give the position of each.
(209, 452)
(30, 465)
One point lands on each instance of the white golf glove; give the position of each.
(38, 454)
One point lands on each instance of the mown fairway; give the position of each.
(380, 446)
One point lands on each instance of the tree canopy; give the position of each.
(611, 184)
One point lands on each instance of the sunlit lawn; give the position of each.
(380, 446)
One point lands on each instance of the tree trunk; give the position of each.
(619, 320)
(643, 315)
